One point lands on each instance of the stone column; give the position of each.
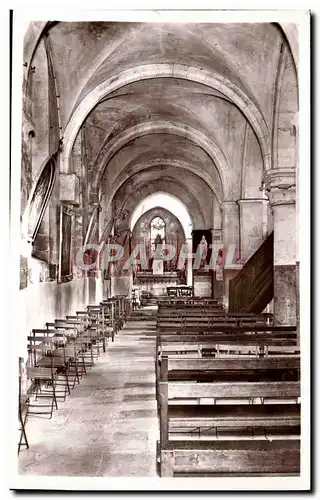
(122, 279)
(189, 262)
(216, 246)
(230, 239)
(281, 191)
(253, 226)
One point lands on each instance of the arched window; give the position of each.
(157, 232)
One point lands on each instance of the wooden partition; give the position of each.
(252, 289)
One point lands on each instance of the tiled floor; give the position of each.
(108, 425)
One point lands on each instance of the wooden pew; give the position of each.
(230, 458)
(221, 339)
(230, 334)
(169, 308)
(175, 301)
(199, 310)
(207, 320)
(200, 345)
(239, 453)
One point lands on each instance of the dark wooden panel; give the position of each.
(252, 289)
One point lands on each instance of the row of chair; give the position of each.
(228, 396)
(61, 353)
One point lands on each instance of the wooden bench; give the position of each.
(175, 301)
(229, 334)
(230, 449)
(215, 344)
(209, 320)
(230, 458)
(221, 340)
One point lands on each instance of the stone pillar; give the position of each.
(230, 238)
(281, 191)
(121, 278)
(253, 226)
(189, 262)
(216, 246)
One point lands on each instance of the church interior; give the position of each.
(138, 136)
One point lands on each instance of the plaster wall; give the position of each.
(44, 302)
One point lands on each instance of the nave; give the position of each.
(158, 310)
(199, 392)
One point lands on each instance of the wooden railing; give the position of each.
(252, 289)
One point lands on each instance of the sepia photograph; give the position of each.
(161, 330)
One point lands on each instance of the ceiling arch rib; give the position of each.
(219, 159)
(162, 70)
(137, 188)
(162, 99)
(164, 162)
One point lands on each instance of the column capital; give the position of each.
(280, 186)
(249, 201)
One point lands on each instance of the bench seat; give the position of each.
(255, 415)
(231, 458)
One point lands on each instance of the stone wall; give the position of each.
(44, 302)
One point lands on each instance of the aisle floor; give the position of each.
(108, 425)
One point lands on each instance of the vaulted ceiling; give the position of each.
(176, 103)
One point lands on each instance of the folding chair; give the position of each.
(22, 412)
(42, 379)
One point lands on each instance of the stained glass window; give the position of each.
(157, 231)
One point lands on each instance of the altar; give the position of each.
(156, 284)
